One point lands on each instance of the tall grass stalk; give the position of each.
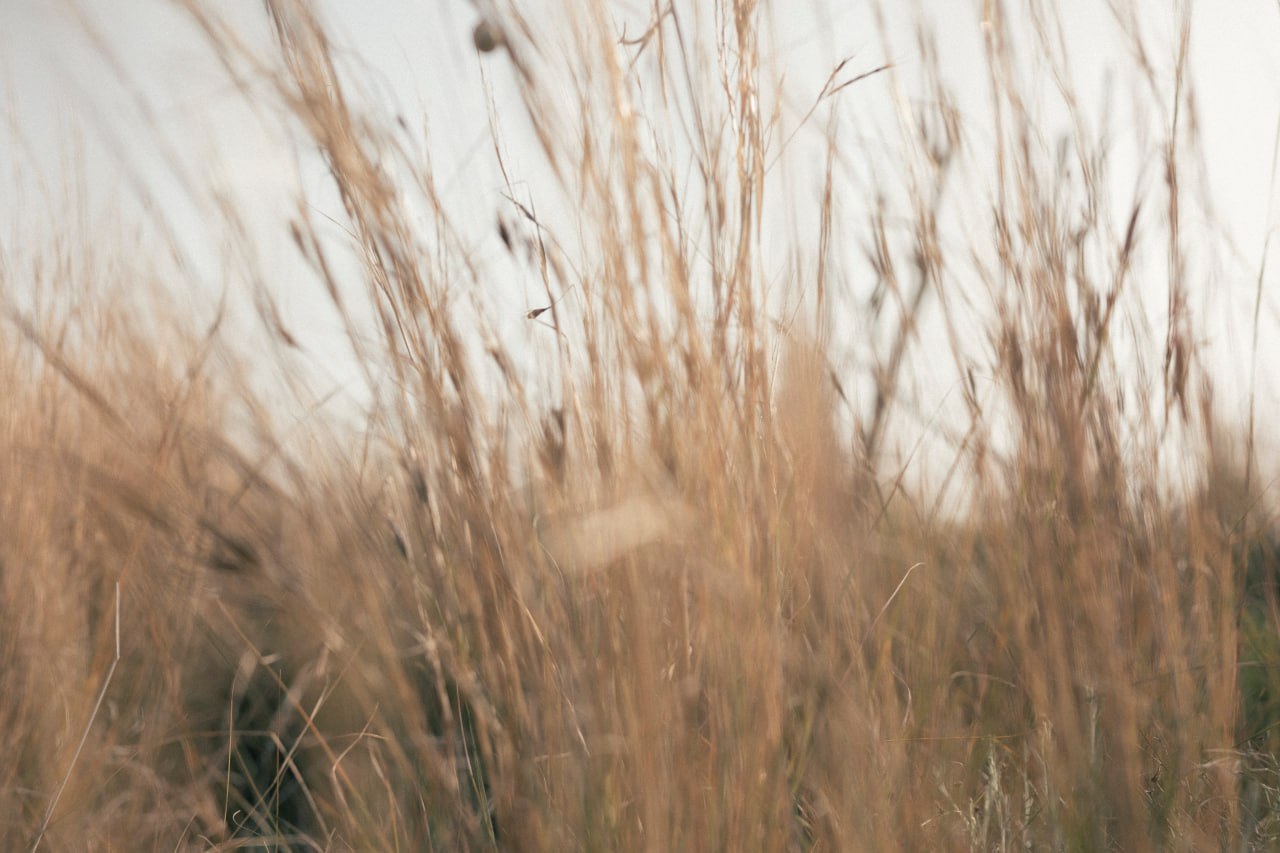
(683, 575)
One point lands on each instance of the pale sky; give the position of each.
(111, 118)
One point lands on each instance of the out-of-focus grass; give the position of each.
(680, 593)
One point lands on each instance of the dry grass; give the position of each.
(678, 586)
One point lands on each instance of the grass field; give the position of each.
(677, 578)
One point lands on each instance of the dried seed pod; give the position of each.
(487, 37)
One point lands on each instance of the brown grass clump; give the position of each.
(675, 578)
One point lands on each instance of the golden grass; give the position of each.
(681, 589)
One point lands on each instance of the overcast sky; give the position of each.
(107, 101)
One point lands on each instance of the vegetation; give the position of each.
(679, 576)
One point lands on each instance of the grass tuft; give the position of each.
(683, 568)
